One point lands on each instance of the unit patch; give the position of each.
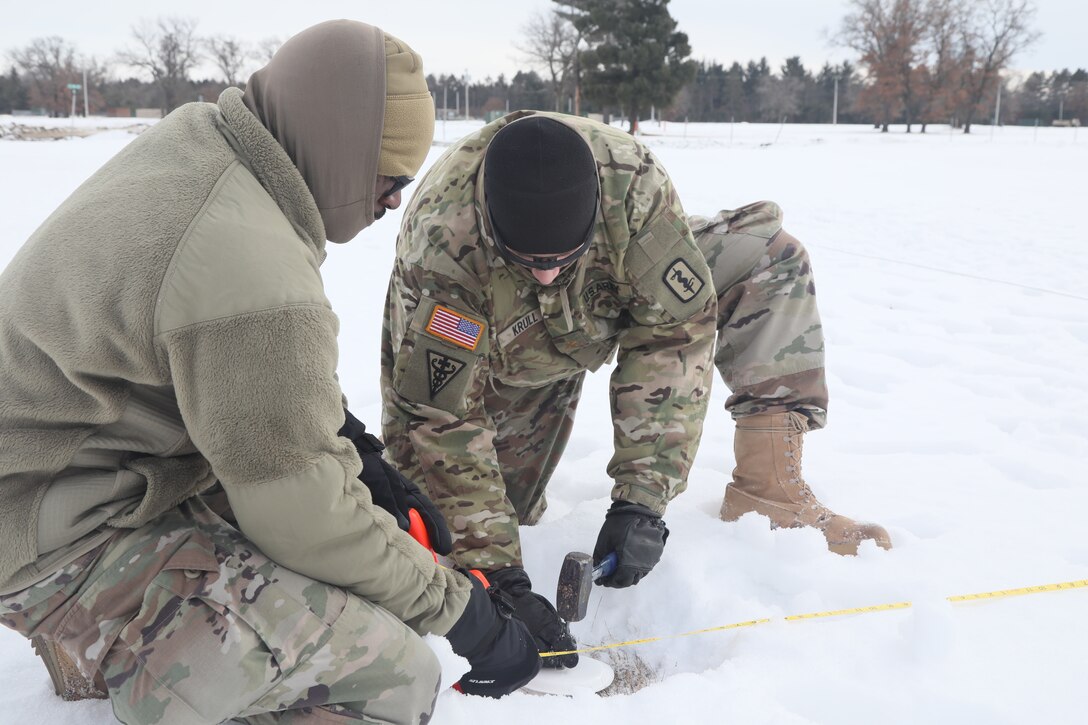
(455, 327)
(520, 325)
(441, 369)
(682, 281)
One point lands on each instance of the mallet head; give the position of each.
(575, 583)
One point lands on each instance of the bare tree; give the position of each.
(266, 48)
(888, 36)
(168, 49)
(49, 65)
(551, 44)
(779, 98)
(992, 33)
(938, 76)
(909, 24)
(229, 55)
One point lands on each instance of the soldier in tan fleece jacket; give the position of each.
(166, 330)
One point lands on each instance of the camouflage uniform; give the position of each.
(482, 367)
(190, 623)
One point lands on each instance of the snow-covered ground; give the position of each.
(77, 122)
(951, 273)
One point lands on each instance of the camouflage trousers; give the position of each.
(532, 427)
(770, 344)
(190, 623)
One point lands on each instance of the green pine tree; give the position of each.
(13, 93)
(636, 57)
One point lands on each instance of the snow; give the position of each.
(950, 275)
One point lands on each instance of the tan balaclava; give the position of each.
(347, 102)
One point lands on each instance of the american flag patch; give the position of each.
(455, 328)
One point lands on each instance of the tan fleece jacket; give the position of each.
(167, 327)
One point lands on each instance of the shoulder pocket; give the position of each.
(668, 268)
(438, 358)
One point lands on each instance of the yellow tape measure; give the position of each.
(980, 596)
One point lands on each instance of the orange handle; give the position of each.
(418, 531)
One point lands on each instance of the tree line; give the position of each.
(165, 51)
(919, 62)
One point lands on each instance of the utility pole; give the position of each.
(468, 106)
(577, 83)
(86, 106)
(835, 103)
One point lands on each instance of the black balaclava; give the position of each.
(540, 187)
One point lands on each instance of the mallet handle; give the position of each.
(606, 567)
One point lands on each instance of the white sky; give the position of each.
(479, 36)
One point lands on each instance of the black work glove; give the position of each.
(637, 535)
(550, 631)
(391, 490)
(496, 644)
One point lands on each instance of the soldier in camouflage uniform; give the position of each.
(484, 351)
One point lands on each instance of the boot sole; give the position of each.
(733, 510)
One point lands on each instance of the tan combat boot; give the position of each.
(768, 480)
(68, 682)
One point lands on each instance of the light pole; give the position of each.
(835, 103)
(468, 107)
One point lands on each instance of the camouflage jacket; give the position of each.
(458, 316)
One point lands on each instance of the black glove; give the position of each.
(496, 644)
(550, 631)
(637, 535)
(391, 490)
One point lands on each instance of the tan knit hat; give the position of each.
(409, 111)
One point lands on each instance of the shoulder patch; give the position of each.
(682, 280)
(667, 268)
(454, 327)
(441, 369)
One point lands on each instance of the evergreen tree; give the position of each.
(530, 91)
(13, 93)
(734, 107)
(756, 76)
(636, 57)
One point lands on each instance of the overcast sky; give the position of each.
(480, 36)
